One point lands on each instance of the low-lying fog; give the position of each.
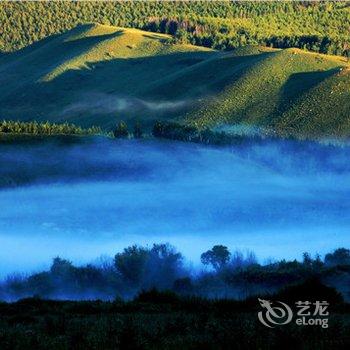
(81, 201)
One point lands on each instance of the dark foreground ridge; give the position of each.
(163, 320)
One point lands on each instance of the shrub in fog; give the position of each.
(142, 267)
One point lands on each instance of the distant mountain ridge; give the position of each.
(97, 74)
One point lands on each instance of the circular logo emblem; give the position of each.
(274, 315)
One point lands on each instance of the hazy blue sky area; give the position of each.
(80, 201)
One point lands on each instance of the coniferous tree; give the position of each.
(121, 130)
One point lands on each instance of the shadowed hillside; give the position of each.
(97, 74)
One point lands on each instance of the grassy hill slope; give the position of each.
(98, 74)
(93, 74)
(293, 91)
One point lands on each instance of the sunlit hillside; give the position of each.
(97, 74)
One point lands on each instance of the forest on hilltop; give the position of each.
(318, 26)
(100, 63)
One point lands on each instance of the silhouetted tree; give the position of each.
(218, 257)
(317, 263)
(163, 266)
(237, 260)
(61, 266)
(307, 260)
(131, 264)
(340, 256)
(146, 268)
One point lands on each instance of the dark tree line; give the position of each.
(214, 34)
(169, 130)
(188, 133)
(161, 266)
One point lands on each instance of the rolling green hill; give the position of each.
(98, 74)
(293, 91)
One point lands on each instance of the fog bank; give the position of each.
(78, 201)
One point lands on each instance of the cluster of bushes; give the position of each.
(35, 128)
(142, 268)
(217, 24)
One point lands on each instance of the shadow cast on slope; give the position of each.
(111, 88)
(298, 84)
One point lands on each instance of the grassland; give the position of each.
(99, 74)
